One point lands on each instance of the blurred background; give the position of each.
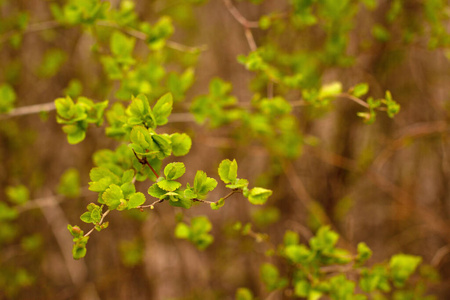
(385, 183)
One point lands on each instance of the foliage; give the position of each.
(147, 83)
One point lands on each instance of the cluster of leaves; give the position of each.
(115, 174)
(320, 269)
(77, 116)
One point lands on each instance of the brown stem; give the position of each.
(99, 223)
(151, 168)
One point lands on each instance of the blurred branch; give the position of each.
(412, 131)
(440, 254)
(28, 110)
(143, 36)
(99, 223)
(58, 221)
(33, 27)
(244, 22)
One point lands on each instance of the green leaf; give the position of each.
(330, 90)
(290, 238)
(69, 183)
(301, 288)
(203, 184)
(181, 144)
(402, 266)
(51, 63)
(298, 254)
(79, 248)
(238, 184)
(218, 204)
(127, 176)
(168, 185)
(112, 196)
(163, 143)
(259, 196)
(325, 239)
(364, 253)
(75, 133)
(7, 213)
(182, 231)
(163, 108)
(121, 45)
(7, 98)
(271, 277)
(101, 179)
(18, 194)
(128, 189)
(174, 170)
(136, 200)
(156, 191)
(75, 231)
(360, 90)
(228, 170)
(244, 294)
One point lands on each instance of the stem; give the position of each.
(143, 36)
(28, 110)
(244, 22)
(354, 99)
(151, 205)
(225, 197)
(99, 223)
(151, 168)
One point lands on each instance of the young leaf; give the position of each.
(360, 90)
(258, 196)
(244, 294)
(181, 144)
(112, 196)
(156, 191)
(162, 109)
(203, 184)
(402, 266)
(228, 170)
(136, 200)
(18, 194)
(168, 185)
(69, 183)
(8, 97)
(174, 170)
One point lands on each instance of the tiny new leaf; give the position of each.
(228, 170)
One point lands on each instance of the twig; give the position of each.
(33, 27)
(151, 206)
(99, 223)
(144, 161)
(28, 110)
(354, 99)
(143, 36)
(238, 16)
(244, 22)
(440, 254)
(215, 202)
(57, 220)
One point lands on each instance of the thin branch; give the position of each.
(215, 202)
(99, 223)
(28, 110)
(33, 27)
(144, 161)
(244, 22)
(57, 220)
(238, 16)
(143, 36)
(151, 206)
(354, 99)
